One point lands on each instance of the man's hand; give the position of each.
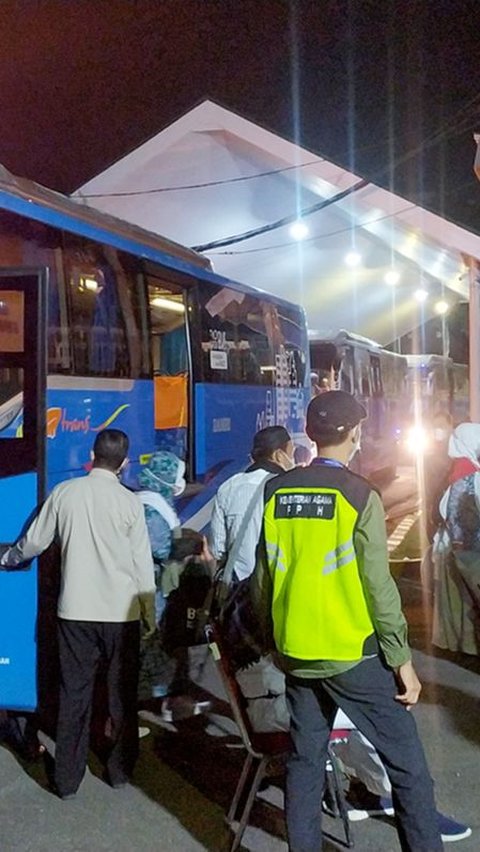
(409, 685)
(147, 610)
(206, 554)
(10, 561)
(4, 548)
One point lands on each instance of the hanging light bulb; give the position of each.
(392, 277)
(299, 230)
(353, 258)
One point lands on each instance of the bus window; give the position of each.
(58, 341)
(363, 372)
(168, 333)
(169, 351)
(460, 401)
(376, 375)
(12, 343)
(347, 370)
(292, 341)
(237, 330)
(26, 243)
(106, 321)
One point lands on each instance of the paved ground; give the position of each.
(187, 773)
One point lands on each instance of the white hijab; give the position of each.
(157, 502)
(464, 443)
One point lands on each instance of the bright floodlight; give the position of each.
(353, 258)
(299, 230)
(417, 440)
(168, 304)
(392, 277)
(421, 295)
(441, 307)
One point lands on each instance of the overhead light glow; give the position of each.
(353, 258)
(392, 277)
(299, 230)
(86, 282)
(167, 304)
(417, 440)
(441, 307)
(421, 295)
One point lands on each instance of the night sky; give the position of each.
(363, 82)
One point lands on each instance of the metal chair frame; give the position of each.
(266, 752)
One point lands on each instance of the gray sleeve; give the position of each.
(218, 531)
(38, 537)
(141, 553)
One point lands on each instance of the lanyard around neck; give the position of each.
(328, 462)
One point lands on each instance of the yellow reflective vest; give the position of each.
(319, 610)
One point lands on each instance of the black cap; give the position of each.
(267, 440)
(333, 413)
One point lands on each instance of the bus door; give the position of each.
(22, 437)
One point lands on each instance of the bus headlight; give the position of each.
(417, 440)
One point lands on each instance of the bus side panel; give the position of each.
(226, 418)
(74, 418)
(18, 601)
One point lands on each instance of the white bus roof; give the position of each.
(428, 360)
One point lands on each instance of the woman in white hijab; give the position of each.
(457, 548)
(161, 480)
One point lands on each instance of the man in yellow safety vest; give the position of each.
(323, 590)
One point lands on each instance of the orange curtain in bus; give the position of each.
(170, 401)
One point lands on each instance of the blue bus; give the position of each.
(439, 384)
(378, 378)
(105, 324)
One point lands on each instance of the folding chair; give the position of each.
(266, 752)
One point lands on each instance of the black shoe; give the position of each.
(117, 784)
(65, 797)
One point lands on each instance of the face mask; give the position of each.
(179, 487)
(287, 462)
(180, 484)
(122, 469)
(355, 448)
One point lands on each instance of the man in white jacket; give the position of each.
(107, 585)
(271, 453)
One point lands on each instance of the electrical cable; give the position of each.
(242, 178)
(361, 184)
(208, 183)
(312, 239)
(286, 220)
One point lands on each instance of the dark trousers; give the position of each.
(82, 646)
(366, 694)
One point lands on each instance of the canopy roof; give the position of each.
(216, 175)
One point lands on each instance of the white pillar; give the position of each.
(474, 340)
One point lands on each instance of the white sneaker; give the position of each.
(201, 707)
(166, 713)
(451, 830)
(182, 707)
(143, 731)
